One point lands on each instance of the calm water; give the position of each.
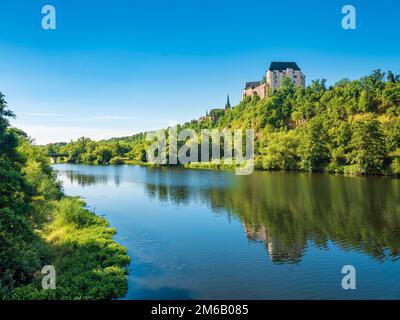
(195, 234)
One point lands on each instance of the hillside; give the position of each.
(352, 127)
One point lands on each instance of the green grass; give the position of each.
(89, 263)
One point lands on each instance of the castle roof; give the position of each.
(253, 84)
(283, 66)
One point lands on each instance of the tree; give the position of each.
(392, 78)
(313, 148)
(280, 154)
(366, 103)
(103, 155)
(18, 257)
(378, 78)
(392, 134)
(391, 98)
(367, 145)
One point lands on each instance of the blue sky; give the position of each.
(114, 68)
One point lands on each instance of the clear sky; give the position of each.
(114, 68)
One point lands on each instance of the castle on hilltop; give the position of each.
(273, 79)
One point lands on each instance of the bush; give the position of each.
(334, 167)
(395, 167)
(280, 154)
(117, 160)
(88, 263)
(72, 211)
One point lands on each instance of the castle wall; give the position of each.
(274, 78)
(261, 91)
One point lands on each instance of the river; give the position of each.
(200, 234)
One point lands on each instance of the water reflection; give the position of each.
(83, 179)
(285, 211)
(89, 179)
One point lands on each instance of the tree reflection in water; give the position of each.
(84, 179)
(285, 211)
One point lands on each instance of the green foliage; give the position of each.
(313, 149)
(367, 146)
(89, 264)
(395, 167)
(392, 133)
(323, 122)
(19, 252)
(39, 226)
(281, 151)
(72, 212)
(117, 160)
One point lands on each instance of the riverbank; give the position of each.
(42, 227)
(89, 264)
(333, 168)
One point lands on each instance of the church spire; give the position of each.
(228, 104)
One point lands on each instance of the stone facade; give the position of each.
(255, 89)
(273, 79)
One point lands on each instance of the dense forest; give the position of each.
(40, 226)
(352, 127)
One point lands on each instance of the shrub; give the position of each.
(395, 167)
(117, 160)
(88, 263)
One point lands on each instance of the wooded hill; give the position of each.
(352, 127)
